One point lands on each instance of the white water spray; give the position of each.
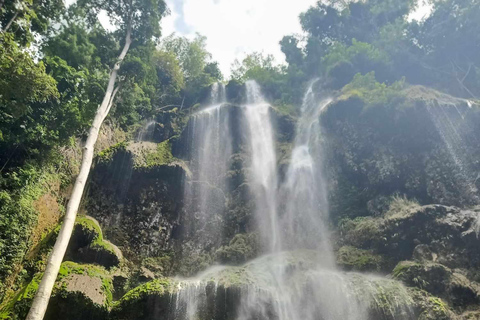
(263, 169)
(210, 152)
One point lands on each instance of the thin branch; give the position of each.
(112, 98)
(9, 158)
(11, 22)
(168, 106)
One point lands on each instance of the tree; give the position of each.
(137, 20)
(25, 18)
(199, 72)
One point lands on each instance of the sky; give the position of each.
(235, 28)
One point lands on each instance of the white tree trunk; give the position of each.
(40, 302)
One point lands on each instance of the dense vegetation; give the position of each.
(343, 38)
(54, 66)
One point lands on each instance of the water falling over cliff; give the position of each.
(263, 167)
(296, 277)
(304, 193)
(210, 151)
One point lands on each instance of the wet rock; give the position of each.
(353, 259)
(423, 253)
(448, 232)
(438, 280)
(146, 275)
(88, 246)
(80, 292)
(406, 145)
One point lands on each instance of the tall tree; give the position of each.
(137, 20)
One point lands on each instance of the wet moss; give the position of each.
(107, 154)
(351, 258)
(148, 301)
(160, 156)
(89, 246)
(242, 247)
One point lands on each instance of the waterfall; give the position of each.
(296, 277)
(304, 193)
(295, 219)
(146, 132)
(209, 154)
(263, 168)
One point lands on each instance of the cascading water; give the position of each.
(263, 168)
(296, 278)
(304, 218)
(210, 152)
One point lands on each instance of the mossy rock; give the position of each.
(432, 277)
(353, 259)
(430, 307)
(80, 292)
(438, 280)
(149, 301)
(470, 315)
(88, 246)
(242, 247)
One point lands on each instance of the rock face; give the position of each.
(422, 144)
(435, 248)
(81, 292)
(446, 235)
(136, 194)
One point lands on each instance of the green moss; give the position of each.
(19, 217)
(430, 307)
(371, 92)
(351, 258)
(403, 267)
(241, 248)
(20, 304)
(432, 277)
(137, 303)
(401, 207)
(107, 154)
(438, 305)
(90, 229)
(67, 268)
(154, 287)
(162, 155)
(362, 231)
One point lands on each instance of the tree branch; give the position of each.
(11, 22)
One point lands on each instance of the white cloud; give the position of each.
(235, 28)
(423, 10)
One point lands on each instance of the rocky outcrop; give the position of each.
(433, 248)
(81, 292)
(446, 235)
(420, 143)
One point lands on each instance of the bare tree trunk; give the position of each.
(40, 302)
